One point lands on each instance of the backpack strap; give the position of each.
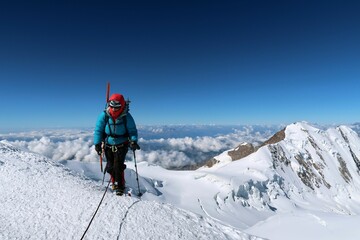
(125, 124)
(107, 117)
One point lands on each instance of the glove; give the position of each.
(98, 148)
(134, 146)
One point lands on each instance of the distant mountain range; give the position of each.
(356, 127)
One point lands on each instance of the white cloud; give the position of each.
(167, 159)
(157, 148)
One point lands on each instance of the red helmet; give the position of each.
(117, 100)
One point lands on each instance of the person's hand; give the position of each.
(98, 148)
(134, 146)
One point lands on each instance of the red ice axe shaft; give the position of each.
(107, 100)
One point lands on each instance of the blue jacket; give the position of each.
(117, 134)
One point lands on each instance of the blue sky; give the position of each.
(180, 62)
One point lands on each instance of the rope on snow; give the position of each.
(96, 211)
(126, 213)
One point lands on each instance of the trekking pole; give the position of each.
(137, 175)
(103, 178)
(101, 167)
(101, 156)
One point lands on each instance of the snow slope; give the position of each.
(41, 199)
(305, 186)
(311, 176)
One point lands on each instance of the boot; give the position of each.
(115, 186)
(120, 190)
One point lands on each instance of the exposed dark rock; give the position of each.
(356, 160)
(277, 137)
(312, 141)
(307, 172)
(241, 151)
(278, 156)
(344, 136)
(246, 149)
(211, 162)
(207, 163)
(343, 169)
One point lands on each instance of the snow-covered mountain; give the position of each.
(41, 199)
(301, 170)
(301, 166)
(303, 183)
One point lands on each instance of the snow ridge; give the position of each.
(303, 173)
(42, 199)
(310, 168)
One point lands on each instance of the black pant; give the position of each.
(115, 156)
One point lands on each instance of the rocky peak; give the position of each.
(245, 149)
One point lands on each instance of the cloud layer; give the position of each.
(167, 146)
